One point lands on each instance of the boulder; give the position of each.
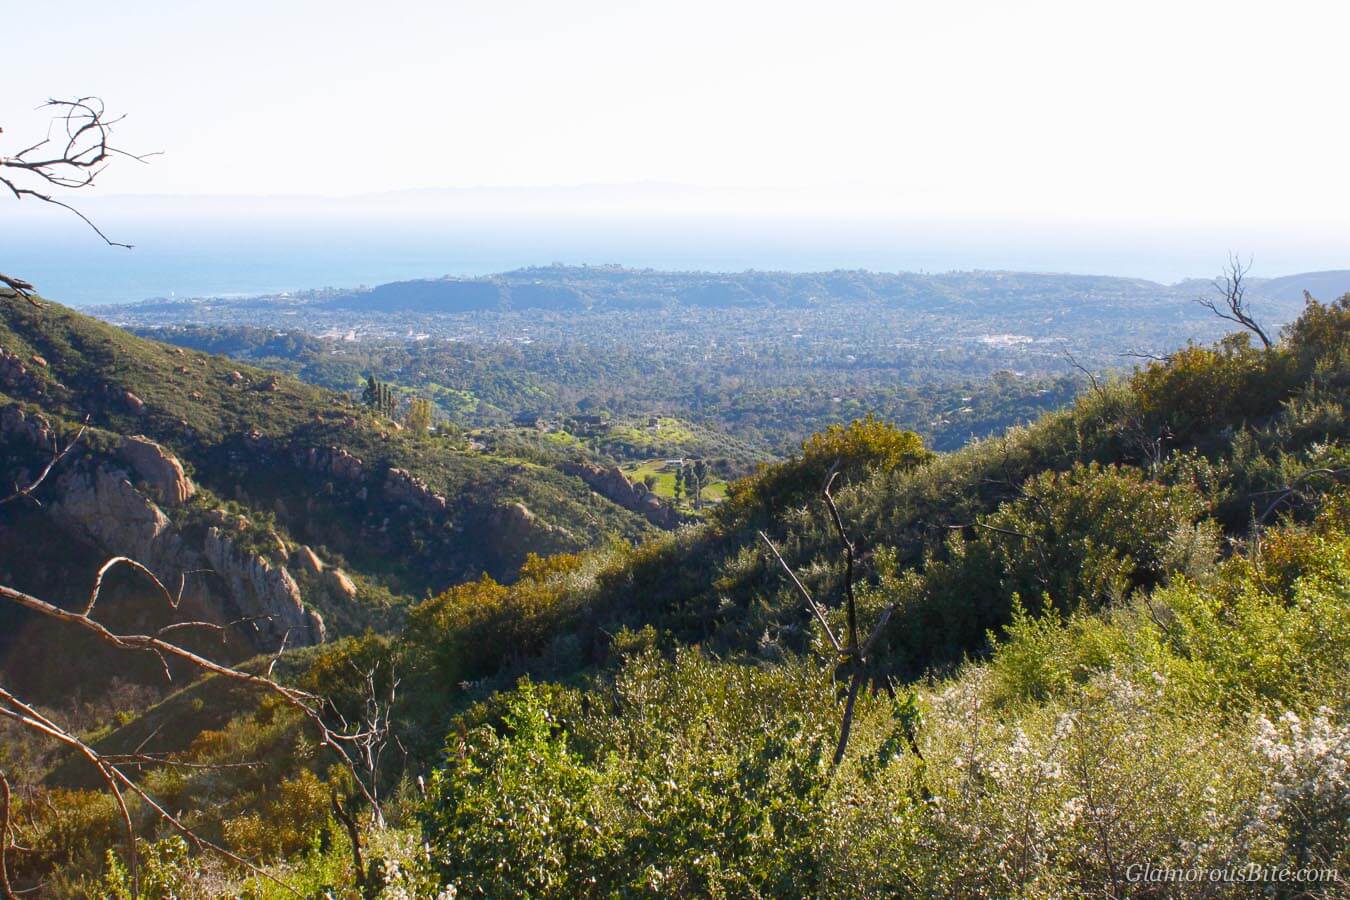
(340, 585)
(160, 470)
(307, 561)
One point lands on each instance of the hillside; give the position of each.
(279, 498)
(595, 288)
(1335, 283)
(1115, 636)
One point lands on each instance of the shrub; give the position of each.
(1202, 388)
(862, 446)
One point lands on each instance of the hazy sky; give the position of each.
(1107, 111)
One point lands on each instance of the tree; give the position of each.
(68, 160)
(1231, 302)
(379, 397)
(418, 417)
(696, 479)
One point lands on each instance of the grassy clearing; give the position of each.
(716, 490)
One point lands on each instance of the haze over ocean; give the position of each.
(240, 254)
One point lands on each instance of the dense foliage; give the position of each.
(1118, 637)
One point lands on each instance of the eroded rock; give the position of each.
(160, 470)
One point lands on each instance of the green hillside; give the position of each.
(1117, 636)
(239, 429)
(283, 472)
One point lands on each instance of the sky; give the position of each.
(1140, 115)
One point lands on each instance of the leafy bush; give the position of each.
(857, 448)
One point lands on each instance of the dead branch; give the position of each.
(6, 838)
(119, 783)
(806, 595)
(1293, 490)
(1231, 300)
(77, 148)
(853, 655)
(20, 287)
(307, 704)
(348, 820)
(81, 146)
(852, 610)
(57, 456)
(1145, 355)
(110, 768)
(1093, 381)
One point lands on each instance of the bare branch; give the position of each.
(1231, 303)
(852, 610)
(20, 287)
(853, 665)
(80, 151)
(1292, 490)
(846, 725)
(1091, 377)
(6, 839)
(57, 456)
(307, 704)
(118, 782)
(806, 595)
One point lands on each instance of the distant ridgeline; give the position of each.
(616, 287)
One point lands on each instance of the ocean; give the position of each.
(239, 255)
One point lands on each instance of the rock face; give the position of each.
(516, 525)
(333, 461)
(402, 487)
(98, 500)
(339, 584)
(261, 588)
(160, 470)
(614, 485)
(26, 428)
(105, 507)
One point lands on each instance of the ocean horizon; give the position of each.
(243, 256)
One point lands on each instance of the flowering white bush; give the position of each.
(1305, 805)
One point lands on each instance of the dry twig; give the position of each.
(853, 653)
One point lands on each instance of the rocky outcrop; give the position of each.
(330, 461)
(340, 585)
(25, 428)
(307, 561)
(612, 484)
(515, 526)
(101, 501)
(403, 487)
(15, 376)
(159, 469)
(261, 588)
(107, 508)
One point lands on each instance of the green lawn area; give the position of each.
(715, 491)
